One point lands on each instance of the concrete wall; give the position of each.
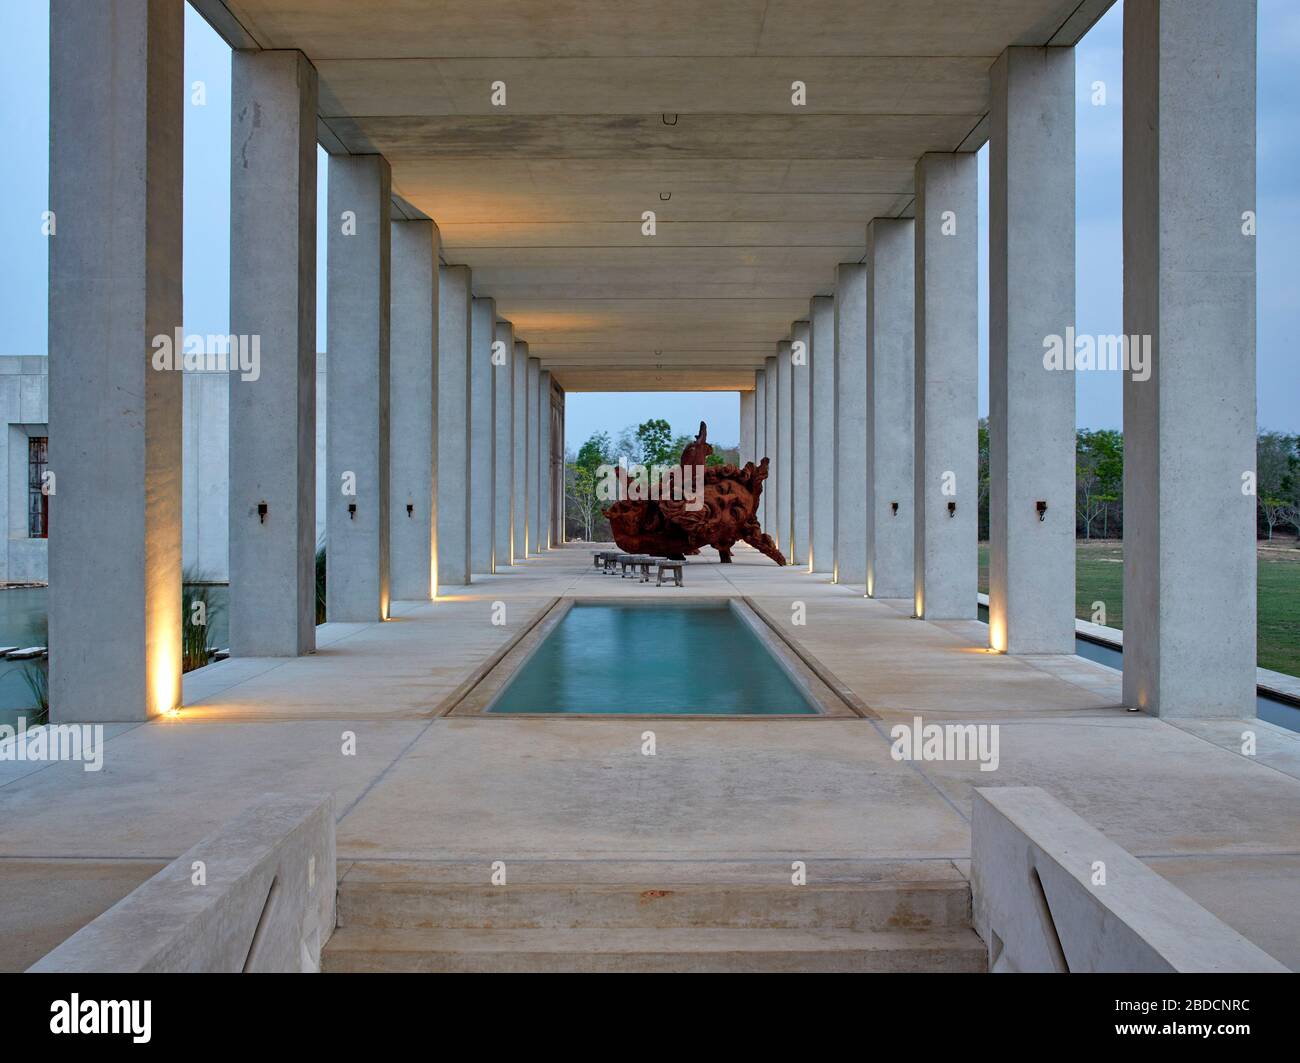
(265, 904)
(1053, 894)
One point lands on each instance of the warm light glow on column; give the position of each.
(163, 654)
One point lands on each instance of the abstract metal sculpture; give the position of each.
(676, 526)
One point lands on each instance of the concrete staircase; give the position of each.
(653, 916)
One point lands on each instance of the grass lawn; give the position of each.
(1099, 577)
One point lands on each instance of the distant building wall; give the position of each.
(24, 403)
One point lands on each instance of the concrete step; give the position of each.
(868, 896)
(673, 950)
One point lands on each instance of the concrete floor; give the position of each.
(1223, 827)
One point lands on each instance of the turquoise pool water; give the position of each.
(661, 660)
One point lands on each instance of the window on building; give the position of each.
(38, 502)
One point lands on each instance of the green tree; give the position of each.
(1277, 475)
(582, 480)
(1098, 474)
(655, 441)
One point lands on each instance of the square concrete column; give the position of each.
(559, 530)
(947, 370)
(455, 453)
(890, 407)
(1189, 292)
(272, 425)
(413, 411)
(784, 450)
(503, 436)
(850, 423)
(746, 426)
(800, 440)
(1031, 298)
(360, 233)
(534, 455)
(116, 100)
(821, 433)
(770, 523)
(545, 460)
(520, 436)
(760, 437)
(482, 428)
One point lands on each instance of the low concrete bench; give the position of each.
(598, 559)
(632, 563)
(255, 895)
(672, 568)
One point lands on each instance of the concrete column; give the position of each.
(821, 457)
(891, 371)
(784, 450)
(360, 229)
(272, 426)
(534, 455)
(1189, 409)
(503, 406)
(1031, 297)
(746, 426)
(560, 534)
(413, 401)
(770, 448)
(545, 473)
(946, 383)
(482, 428)
(455, 453)
(114, 399)
(760, 437)
(850, 423)
(800, 440)
(520, 436)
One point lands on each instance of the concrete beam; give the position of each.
(482, 429)
(850, 422)
(503, 461)
(890, 431)
(272, 420)
(115, 420)
(821, 520)
(413, 410)
(946, 419)
(360, 233)
(800, 440)
(1031, 406)
(1189, 425)
(456, 455)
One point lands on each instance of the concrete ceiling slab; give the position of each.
(616, 107)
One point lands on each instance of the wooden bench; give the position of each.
(674, 567)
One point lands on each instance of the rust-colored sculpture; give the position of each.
(672, 527)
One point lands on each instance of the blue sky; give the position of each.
(24, 129)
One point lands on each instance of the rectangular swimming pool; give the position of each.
(657, 660)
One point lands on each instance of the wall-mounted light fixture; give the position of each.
(410, 509)
(1042, 509)
(666, 122)
(952, 509)
(893, 509)
(352, 511)
(261, 513)
(664, 197)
